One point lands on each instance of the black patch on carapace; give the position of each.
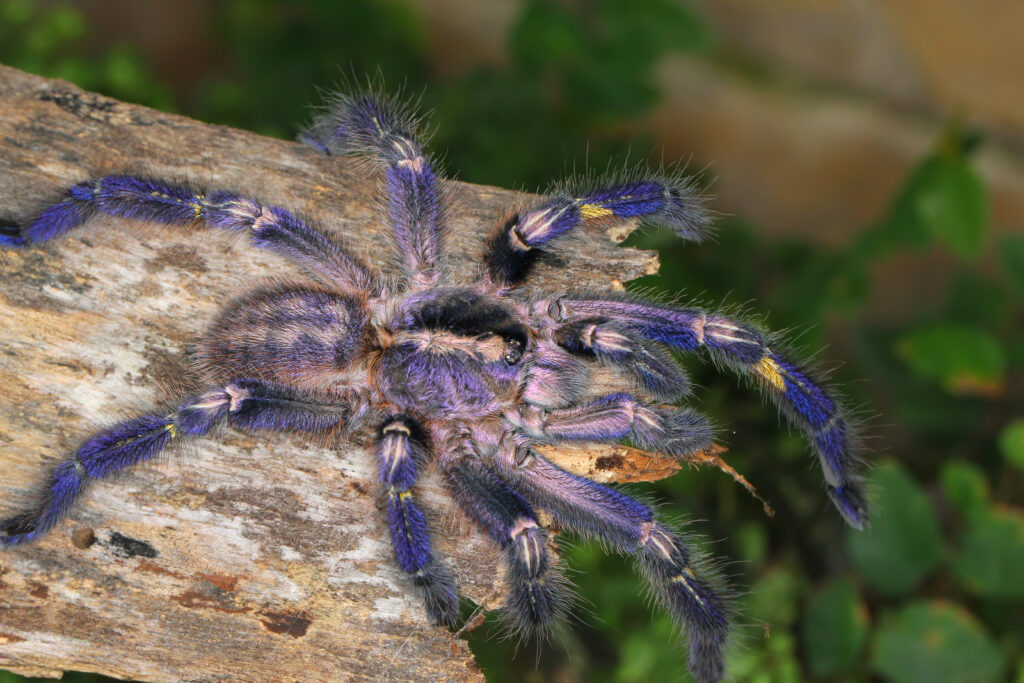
(130, 547)
(469, 314)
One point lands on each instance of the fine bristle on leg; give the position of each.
(601, 513)
(651, 367)
(401, 450)
(804, 398)
(673, 431)
(384, 130)
(246, 403)
(673, 202)
(666, 561)
(169, 203)
(538, 596)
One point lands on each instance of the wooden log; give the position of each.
(251, 556)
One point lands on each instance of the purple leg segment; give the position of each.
(246, 403)
(512, 248)
(673, 431)
(598, 512)
(672, 202)
(158, 201)
(401, 449)
(555, 378)
(385, 131)
(805, 399)
(651, 367)
(538, 596)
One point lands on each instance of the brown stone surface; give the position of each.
(250, 556)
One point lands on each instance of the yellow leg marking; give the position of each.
(588, 211)
(770, 371)
(685, 579)
(405, 495)
(171, 430)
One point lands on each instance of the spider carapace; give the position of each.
(466, 377)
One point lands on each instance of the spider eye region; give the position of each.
(513, 351)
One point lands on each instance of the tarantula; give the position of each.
(469, 377)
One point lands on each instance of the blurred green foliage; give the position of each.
(933, 590)
(51, 43)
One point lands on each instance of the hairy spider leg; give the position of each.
(554, 378)
(246, 403)
(385, 131)
(651, 367)
(673, 431)
(807, 401)
(538, 595)
(598, 512)
(146, 199)
(512, 248)
(401, 449)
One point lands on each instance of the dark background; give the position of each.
(869, 166)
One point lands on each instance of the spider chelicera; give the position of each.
(467, 377)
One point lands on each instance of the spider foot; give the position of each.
(66, 482)
(691, 599)
(11, 235)
(706, 661)
(439, 594)
(18, 529)
(534, 606)
(849, 499)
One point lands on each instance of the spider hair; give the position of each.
(465, 377)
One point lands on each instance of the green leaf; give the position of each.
(952, 204)
(991, 555)
(935, 642)
(547, 35)
(1011, 443)
(834, 628)
(903, 224)
(903, 543)
(965, 486)
(943, 200)
(964, 360)
(1011, 250)
(773, 597)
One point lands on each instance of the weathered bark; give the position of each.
(252, 556)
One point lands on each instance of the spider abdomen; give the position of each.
(286, 333)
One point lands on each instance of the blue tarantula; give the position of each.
(470, 377)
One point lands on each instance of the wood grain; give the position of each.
(248, 556)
